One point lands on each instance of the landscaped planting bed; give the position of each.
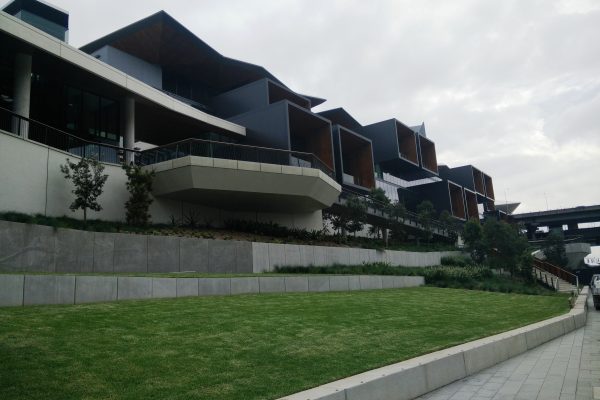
(240, 347)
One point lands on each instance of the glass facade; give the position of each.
(173, 82)
(91, 117)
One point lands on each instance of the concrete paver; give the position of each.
(566, 368)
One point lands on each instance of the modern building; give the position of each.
(227, 139)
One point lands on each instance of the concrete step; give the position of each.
(548, 278)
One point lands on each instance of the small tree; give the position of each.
(88, 180)
(139, 186)
(554, 249)
(450, 224)
(351, 216)
(425, 212)
(379, 201)
(398, 212)
(525, 264)
(473, 237)
(504, 247)
(357, 213)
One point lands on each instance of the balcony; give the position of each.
(428, 155)
(398, 150)
(407, 144)
(471, 204)
(240, 177)
(353, 159)
(489, 186)
(457, 201)
(223, 175)
(478, 181)
(39, 132)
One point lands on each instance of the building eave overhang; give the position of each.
(43, 42)
(232, 73)
(342, 117)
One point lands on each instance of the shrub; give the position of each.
(458, 261)
(473, 277)
(274, 230)
(139, 186)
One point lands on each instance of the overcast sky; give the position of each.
(512, 87)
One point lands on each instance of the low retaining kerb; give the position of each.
(412, 378)
(24, 290)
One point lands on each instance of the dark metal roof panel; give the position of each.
(169, 37)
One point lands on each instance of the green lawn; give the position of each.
(240, 347)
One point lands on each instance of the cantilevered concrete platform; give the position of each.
(243, 185)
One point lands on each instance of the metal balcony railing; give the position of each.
(52, 137)
(232, 151)
(378, 209)
(58, 139)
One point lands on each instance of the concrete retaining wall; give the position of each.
(266, 256)
(415, 377)
(19, 290)
(36, 248)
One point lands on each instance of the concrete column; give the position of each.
(21, 92)
(531, 232)
(128, 126)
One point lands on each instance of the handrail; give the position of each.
(556, 271)
(61, 140)
(232, 151)
(380, 206)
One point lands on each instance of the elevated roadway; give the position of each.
(555, 219)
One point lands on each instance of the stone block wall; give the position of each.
(36, 248)
(25, 290)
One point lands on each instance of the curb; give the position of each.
(415, 377)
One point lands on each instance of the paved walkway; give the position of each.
(567, 368)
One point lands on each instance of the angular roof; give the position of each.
(341, 117)
(508, 208)
(160, 39)
(420, 129)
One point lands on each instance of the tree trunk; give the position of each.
(385, 234)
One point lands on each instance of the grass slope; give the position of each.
(240, 347)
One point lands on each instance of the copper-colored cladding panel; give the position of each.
(457, 200)
(478, 180)
(407, 143)
(428, 155)
(277, 93)
(489, 186)
(311, 134)
(322, 147)
(472, 209)
(357, 159)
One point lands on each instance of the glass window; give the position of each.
(73, 108)
(90, 117)
(109, 119)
